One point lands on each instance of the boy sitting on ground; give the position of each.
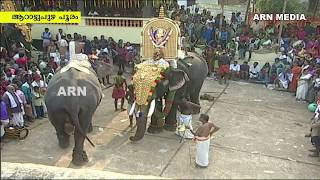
(235, 70)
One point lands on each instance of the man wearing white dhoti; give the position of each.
(303, 84)
(15, 107)
(202, 138)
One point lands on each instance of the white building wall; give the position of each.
(131, 34)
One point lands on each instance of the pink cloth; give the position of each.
(310, 45)
(122, 51)
(129, 53)
(317, 48)
(22, 96)
(301, 35)
(13, 71)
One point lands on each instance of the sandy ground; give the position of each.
(261, 136)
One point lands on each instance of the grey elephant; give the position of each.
(73, 96)
(179, 87)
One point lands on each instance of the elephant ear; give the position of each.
(177, 79)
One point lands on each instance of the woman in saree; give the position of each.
(296, 71)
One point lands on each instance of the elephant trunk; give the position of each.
(142, 121)
(141, 129)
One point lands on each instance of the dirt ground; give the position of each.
(261, 136)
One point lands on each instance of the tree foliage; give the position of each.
(276, 6)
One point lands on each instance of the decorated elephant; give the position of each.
(179, 87)
(73, 96)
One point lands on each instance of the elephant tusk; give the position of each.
(132, 109)
(152, 107)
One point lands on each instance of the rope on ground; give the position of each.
(206, 112)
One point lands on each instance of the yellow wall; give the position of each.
(131, 34)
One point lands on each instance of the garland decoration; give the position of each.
(145, 80)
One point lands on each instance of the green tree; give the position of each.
(313, 6)
(276, 6)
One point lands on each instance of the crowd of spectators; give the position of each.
(24, 80)
(296, 69)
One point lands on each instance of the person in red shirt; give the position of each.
(22, 60)
(52, 63)
(3, 85)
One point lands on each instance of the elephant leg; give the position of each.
(156, 124)
(171, 119)
(58, 120)
(79, 156)
(194, 97)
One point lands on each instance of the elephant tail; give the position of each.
(77, 125)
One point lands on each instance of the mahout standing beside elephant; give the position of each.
(153, 82)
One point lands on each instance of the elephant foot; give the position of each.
(64, 141)
(132, 138)
(79, 158)
(154, 130)
(170, 127)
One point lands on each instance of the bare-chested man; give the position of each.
(202, 138)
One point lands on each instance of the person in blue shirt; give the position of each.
(224, 35)
(208, 33)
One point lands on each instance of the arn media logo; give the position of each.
(72, 91)
(279, 17)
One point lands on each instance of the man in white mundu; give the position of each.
(202, 138)
(15, 105)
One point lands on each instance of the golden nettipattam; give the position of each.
(145, 80)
